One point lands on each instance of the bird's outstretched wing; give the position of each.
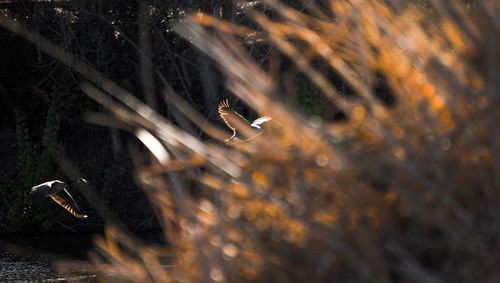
(68, 203)
(232, 119)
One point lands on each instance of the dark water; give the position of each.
(31, 258)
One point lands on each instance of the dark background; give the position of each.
(41, 101)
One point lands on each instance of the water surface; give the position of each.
(31, 258)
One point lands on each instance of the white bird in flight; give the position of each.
(237, 123)
(56, 190)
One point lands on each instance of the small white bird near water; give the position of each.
(56, 190)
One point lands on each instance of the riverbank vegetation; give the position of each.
(379, 164)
